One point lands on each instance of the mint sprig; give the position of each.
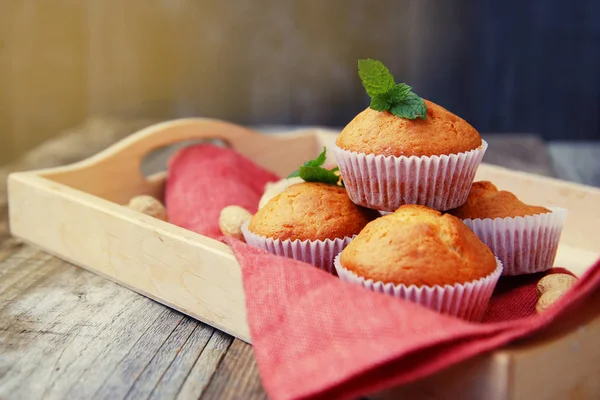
(386, 95)
(313, 171)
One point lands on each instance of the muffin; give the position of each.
(524, 237)
(308, 221)
(387, 161)
(419, 254)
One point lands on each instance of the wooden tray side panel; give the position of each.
(484, 377)
(191, 273)
(561, 362)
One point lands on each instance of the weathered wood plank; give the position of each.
(201, 373)
(237, 376)
(66, 333)
(82, 320)
(17, 267)
(130, 370)
(187, 355)
(23, 271)
(8, 246)
(165, 365)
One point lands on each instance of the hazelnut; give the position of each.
(561, 282)
(148, 205)
(231, 220)
(547, 299)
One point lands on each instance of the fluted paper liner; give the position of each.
(467, 300)
(319, 253)
(525, 245)
(386, 182)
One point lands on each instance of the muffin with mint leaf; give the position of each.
(403, 149)
(310, 221)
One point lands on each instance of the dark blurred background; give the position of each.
(505, 66)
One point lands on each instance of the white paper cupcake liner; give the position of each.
(386, 182)
(525, 245)
(319, 253)
(467, 300)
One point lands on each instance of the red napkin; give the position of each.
(315, 337)
(203, 179)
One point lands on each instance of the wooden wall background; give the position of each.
(504, 66)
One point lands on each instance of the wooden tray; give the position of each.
(75, 213)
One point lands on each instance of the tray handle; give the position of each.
(120, 164)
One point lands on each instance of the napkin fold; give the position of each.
(316, 337)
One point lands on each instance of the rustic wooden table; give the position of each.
(66, 333)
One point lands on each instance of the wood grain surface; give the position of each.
(66, 333)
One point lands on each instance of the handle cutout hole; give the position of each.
(157, 160)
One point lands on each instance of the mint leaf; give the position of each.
(318, 174)
(320, 160)
(375, 76)
(411, 107)
(386, 94)
(313, 171)
(398, 93)
(380, 102)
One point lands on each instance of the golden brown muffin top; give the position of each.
(313, 211)
(441, 132)
(417, 245)
(486, 201)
